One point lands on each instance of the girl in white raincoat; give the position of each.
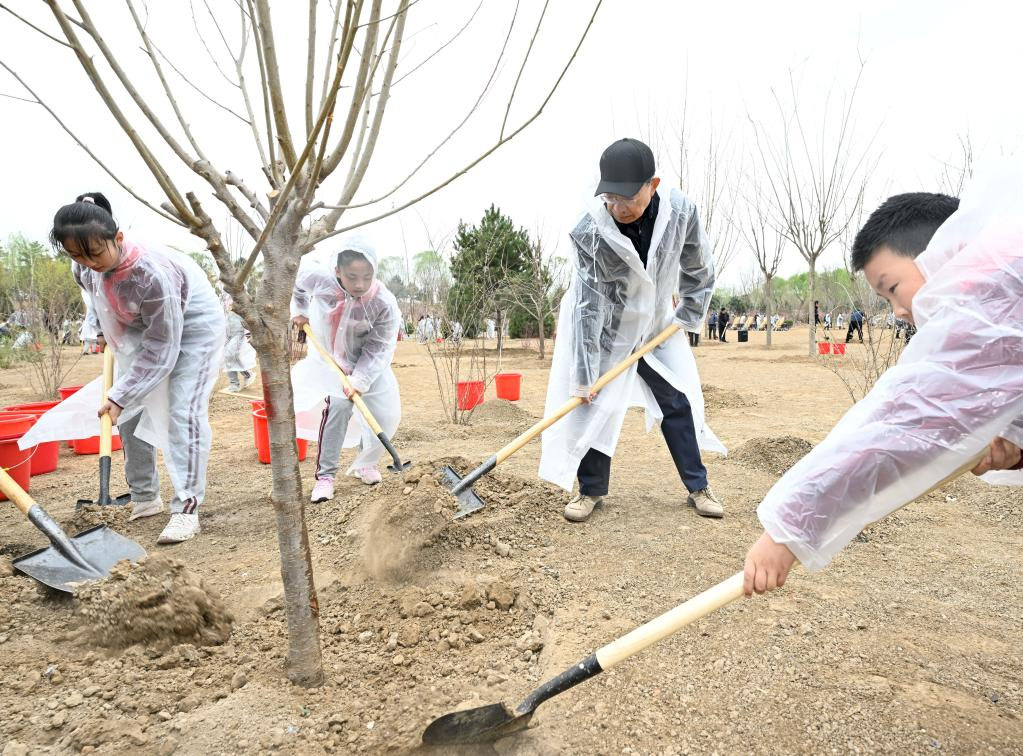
(956, 386)
(619, 298)
(161, 316)
(356, 319)
(239, 356)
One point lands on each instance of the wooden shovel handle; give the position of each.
(15, 493)
(106, 426)
(713, 598)
(356, 398)
(523, 439)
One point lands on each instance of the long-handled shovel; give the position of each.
(494, 721)
(106, 431)
(398, 465)
(469, 502)
(87, 556)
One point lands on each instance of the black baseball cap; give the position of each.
(624, 167)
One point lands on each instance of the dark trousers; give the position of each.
(679, 433)
(711, 328)
(854, 326)
(722, 327)
(694, 338)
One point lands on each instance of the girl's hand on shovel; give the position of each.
(110, 408)
(767, 566)
(1001, 455)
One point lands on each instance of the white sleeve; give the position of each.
(957, 386)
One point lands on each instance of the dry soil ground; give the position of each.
(909, 643)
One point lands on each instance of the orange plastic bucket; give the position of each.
(90, 445)
(824, 347)
(15, 423)
(509, 386)
(262, 432)
(470, 394)
(17, 462)
(838, 348)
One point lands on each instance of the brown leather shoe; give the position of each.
(581, 507)
(706, 503)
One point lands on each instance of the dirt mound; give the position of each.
(773, 454)
(116, 516)
(156, 602)
(502, 414)
(719, 398)
(412, 514)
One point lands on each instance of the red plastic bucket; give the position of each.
(15, 423)
(470, 394)
(90, 445)
(47, 454)
(66, 391)
(509, 386)
(262, 432)
(17, 462)
(838, 348)
(824, 347)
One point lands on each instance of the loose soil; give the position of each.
(908, 643)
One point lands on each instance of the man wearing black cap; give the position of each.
(635, 248)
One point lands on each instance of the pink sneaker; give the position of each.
(323, 490)
(368, 475)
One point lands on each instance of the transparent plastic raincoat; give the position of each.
(238, 352)
(156, 309)
(361, 333)
(957, 385)
(613, 306)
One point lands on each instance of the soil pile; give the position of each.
(773, 454)
(115, 516)
(157, 602)
(719, 398)
(412, 514)
(503, 414)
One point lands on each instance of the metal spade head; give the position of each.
(468, 500)
(87, 556)
(119, 501)
(483, 724)
(399, 467)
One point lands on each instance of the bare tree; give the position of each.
(958, 171)
(537, 290)
(360, 47)
(815, 181)
(767, 245)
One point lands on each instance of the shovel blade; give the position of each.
(483, 724)
(468, 500)
(396, 469)
(120, 501)
(101, 547)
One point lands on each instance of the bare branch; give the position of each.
(90, 153)
(198, 90)
(273, 82)
(525, 58)
(232, 180)
(319, 233)
(310, 65)
(330, 221)
(158, 171)
(440, 49)
(206, 47)
(33, 26)
(19, 99)
(274, 175)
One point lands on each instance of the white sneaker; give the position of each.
(245, 382)
(140, 509)
(180, 528)
(323, 490)
(368, 475)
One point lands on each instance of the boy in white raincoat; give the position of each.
(356, 318)
(957, 274)
(635, 247)
(239, 356)
(162, 318)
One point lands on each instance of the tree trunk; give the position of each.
(304, 663)
(767, 296)
(500, 336)
(812, 294)
(540, 332)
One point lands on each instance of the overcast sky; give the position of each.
(935, 71)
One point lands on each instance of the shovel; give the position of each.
(105, 435)
(398, 465)
(495, 721)
(87, 556)
(469, 502)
